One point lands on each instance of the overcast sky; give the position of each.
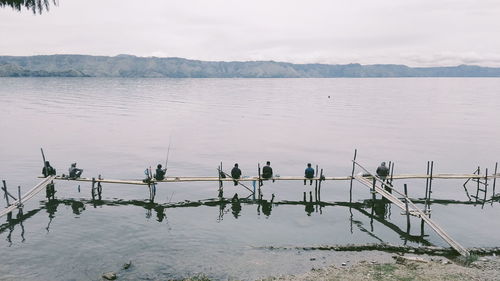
(411, 32)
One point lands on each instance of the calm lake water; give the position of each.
(119, 127)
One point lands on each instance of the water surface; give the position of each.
(119, 127)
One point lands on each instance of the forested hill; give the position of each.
(132, 66)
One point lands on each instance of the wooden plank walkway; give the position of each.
(32, 192)
(379, 189)
(280, 178)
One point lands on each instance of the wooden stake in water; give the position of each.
(316, 181)
(352, 175)
(495, 179)
(258, 174)
(485, 184)
(19, 196)
(407, 211)
(392, 171)
(6, 192)
(93, 189)
(477, 180)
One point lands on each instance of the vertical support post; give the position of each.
(373, 190)
(258, 174)
(99, 189)
(316, 181)
(477, 179)
(5, 192)
(93, 189)
(320, 180)
(352, 175)
(392, 173)
(19, 196)
(427, 183)
(485, 184)
(407, 211)
(430, 185)
(219, 169)
(495, 179)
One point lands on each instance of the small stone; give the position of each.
(109, 276)
(127, 265)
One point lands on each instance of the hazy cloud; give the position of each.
(412, 32)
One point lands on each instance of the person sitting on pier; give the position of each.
(309, 173)
(160, 173)
(74, 172)
(48, 170)
(235, 173)
(267, 171)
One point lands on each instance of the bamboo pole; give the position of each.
(495, 178)
(477, 191)
(20, 203)
(485, 184)
(407, 211)
(352, 174)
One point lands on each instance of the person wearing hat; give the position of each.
(48, 170)
(74, 172)
(160, 173)
(235, 173)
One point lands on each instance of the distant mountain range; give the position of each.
(132, 66)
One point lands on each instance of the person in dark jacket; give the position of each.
(160, 173)
(309, 173)
(267, 171)
(382, 171)
(74, 172)
(48, 170)
(236, 173)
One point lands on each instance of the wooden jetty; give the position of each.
(276, 178)
(378, 185)
(32, 192)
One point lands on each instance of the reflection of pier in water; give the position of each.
(375, 211)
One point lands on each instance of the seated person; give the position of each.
(267, 171)
(309, 173)
(160, 173)
(74, 172)
(236, 173)
(48, 170)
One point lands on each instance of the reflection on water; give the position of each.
(375, 210)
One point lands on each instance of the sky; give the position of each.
(411, 32)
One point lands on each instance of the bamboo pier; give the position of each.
(377, 185)
(170, 179)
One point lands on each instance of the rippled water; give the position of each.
(118, 127)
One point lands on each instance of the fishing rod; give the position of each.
(45, 163)
(168, 152)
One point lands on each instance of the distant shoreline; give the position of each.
(154, 67)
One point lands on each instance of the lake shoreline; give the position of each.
(409, 267)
